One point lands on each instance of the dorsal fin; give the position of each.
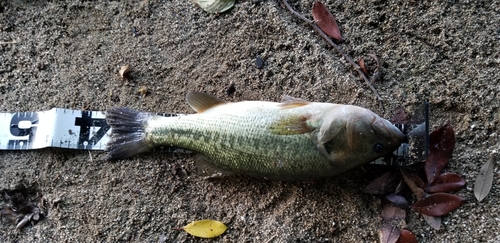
(290, 102)
(201, 102)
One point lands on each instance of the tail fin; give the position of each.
(128, 133)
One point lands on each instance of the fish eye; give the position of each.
(378, 147)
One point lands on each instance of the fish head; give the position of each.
(355, 135)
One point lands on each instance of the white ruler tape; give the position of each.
(63, 128)
(88, 130)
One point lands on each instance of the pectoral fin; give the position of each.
(201, 102)
(291, 125)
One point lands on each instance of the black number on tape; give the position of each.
(18, 130)
(87, 140)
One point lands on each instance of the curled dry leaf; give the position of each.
(325, 21)
(441, 145)
(125, 72)
(414, 183)
(361, 63)
(484, 180)
(407, 236)
(376, 73)
(384, 184)
(446, 182)
(205, 228)
(438, 204)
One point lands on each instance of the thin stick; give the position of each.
(337, 48)
(8, 42)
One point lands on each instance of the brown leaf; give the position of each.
(446, 182)
(325, 20)
(484, 180)
(407, 236)
(438, 204)
(414, 183)
(384, 184)
(392, 219)
(361, 63)
(441, 145)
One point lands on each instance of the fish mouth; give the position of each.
(385, 130)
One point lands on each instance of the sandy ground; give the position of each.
(67, 54)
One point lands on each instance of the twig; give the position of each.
(272, 238)
(337, 48)
(8, 42)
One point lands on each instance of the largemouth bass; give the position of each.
(291, 140)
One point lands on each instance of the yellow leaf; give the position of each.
(205, 228)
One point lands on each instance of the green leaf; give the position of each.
(205, 228)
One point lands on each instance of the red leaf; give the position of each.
(407, 236)
(384, 184)
(441, 145)
(325, 20)
(446, 182)
(438, 204)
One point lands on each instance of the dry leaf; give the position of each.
(205, 228)
(438, 204)
(384, 184)
(441, 145)
(414, 183)
(392, 219)
(407, 236)
(484, 180)
(376, 74)
(361, 63)
(433, 221)
(446, 182)
(124, 72)
(325, 20)
(398, 201)
(214, 6)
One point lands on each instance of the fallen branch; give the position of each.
(337, 48)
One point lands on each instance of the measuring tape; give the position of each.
(88, 130)
(61, 128)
